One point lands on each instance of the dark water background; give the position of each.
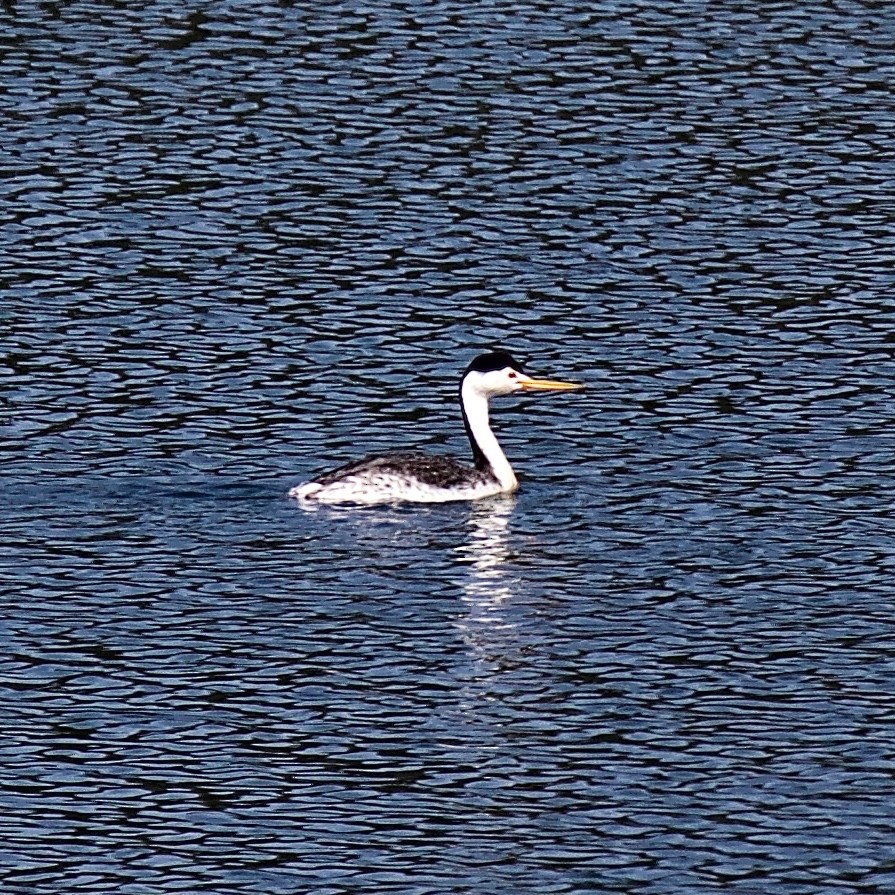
(243, 241)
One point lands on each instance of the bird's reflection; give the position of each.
(488, 589)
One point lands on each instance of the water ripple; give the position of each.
(242, 244)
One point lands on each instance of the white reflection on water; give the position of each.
(488, 551)
(490, 585)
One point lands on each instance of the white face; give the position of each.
(496, 382)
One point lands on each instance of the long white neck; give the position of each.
(475, 410)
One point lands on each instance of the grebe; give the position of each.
(422, 478)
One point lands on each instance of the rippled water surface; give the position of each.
(241, 242)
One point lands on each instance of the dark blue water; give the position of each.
(240, 243)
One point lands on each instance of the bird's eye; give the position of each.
(511, 375)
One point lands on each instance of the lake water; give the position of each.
(243, 242)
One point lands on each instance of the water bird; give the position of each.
(424, 478)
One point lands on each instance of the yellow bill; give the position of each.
(546, 385)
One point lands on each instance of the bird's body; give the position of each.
(426, 478)
(413, 476)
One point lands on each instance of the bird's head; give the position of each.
(497, 373)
